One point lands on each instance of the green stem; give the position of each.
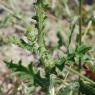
(80, 35)
(80, 28)
(82, 76)
(41, 39)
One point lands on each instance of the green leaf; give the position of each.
(61, 40)
(42, 82)
(71, 57)
(87, 88)
(59, 63)
(16, 67)
(23, 44)
(83, 49)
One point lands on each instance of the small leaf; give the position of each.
(71, 57)
(61, 40)
(60, 63)
(83, 49)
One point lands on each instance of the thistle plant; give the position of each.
(48, 73)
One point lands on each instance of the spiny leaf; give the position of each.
(16, 67)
